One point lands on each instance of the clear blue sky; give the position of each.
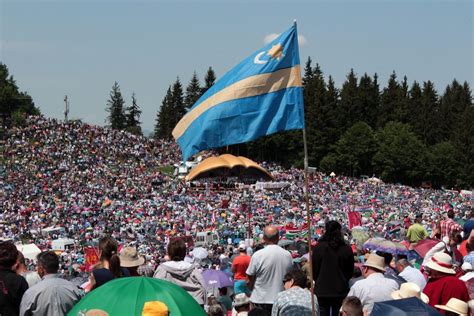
(80, 48)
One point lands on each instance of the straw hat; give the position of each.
(375, 261)
(441, 262)
(241, 299)
(455, 305)
(155, 308)
(129, 258)
(410, 290)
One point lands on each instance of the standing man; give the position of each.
(267, 269)
(449, 226)
(416, 232)
(239, 267)
(52, 296)
(375, 287)
(410, 274)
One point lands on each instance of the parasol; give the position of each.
(216, 278)
(424, 245)
(404, 307)
(127, 296)
(382, 244)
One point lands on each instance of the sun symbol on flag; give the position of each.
(276, 52)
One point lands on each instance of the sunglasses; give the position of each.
(286, 280)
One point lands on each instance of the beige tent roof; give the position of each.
(227, 165)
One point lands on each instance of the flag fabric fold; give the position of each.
(260, 96)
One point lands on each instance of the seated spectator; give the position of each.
(130, 260)
(181, 273)
(410, 274)
(296, 299)
(52, 296)
(375, 287)
(12, 285)
(351, 306)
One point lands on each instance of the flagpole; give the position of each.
(308, 218)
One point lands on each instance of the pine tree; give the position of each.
(163, 127)
(367, 101)
(193, 92)
(115, 106)
(177, 103)
(209, 80)
(348, 103)
(389, 102)
(429, 126)
(13, 103)
(133, 117)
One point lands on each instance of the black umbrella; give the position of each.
(412, 306)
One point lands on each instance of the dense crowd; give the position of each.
(93, 182)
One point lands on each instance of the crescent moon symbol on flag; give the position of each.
(257, 59)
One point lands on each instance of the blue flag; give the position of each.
(260, 96)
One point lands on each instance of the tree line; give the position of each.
(404, 132)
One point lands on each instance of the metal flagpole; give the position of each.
(308, 218)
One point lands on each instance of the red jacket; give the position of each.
(440, 290)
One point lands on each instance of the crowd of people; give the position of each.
(88, 182)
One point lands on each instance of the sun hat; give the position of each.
(466, 266)
(375, 261)
(441, 262)
(455, 305)
(155, 308)
(129, 258)
(240, 299)
(409, 289)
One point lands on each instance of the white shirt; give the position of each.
(413, 275)
(439, 247)
(375, 288)
(269, 265)
(467, 276)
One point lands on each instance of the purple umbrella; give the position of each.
(216, 278)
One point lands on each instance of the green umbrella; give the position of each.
(126, 296)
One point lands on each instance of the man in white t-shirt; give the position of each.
(267, 268)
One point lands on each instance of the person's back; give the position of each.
(52, 296)
(333, 266)
(375, 287)
(240, 265)
(267, 269)
(182, 273)
(12, 286)
(416, 232)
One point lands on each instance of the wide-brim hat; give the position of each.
(441, 262)
(129, 258)
(410, 289)
(456, 306)
(240, 299)
(375, 261)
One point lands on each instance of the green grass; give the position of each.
(168, 170)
